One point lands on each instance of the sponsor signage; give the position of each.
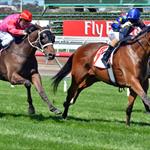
(99, 28)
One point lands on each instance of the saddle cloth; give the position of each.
(97, 59)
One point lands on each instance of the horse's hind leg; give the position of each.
(74, 91)
(131, 99)
(31, 109)
(36, 80)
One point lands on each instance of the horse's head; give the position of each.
(44, 40)
(47, 39)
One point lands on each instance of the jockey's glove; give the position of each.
(24, 32)
(127, 24)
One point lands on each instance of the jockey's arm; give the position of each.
(126, 28)
(12, 29)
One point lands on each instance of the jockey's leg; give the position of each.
(6, 39)
(113, 40)
(107, 55)
(108, 52)
(36, 80)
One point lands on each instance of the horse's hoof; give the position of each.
(31, 111)
(64, 116)
(55, 111)
(147, 112)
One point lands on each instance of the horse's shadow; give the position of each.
(40, 117)
(101, 120)
(37, 117)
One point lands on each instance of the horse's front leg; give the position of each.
(31, 109)
(131, 98)
(138, 89)
(36, 80)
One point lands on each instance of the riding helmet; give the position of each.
(133, 14)
(26, 15)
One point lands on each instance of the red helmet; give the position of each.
(26, 15)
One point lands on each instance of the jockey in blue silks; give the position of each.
(121, 28)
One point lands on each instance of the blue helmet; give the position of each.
(133, 14)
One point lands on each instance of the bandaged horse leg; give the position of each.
(36, 80)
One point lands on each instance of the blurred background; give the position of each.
(57, 11)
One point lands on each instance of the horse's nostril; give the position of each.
(50, 56)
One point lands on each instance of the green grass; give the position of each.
(95, 122)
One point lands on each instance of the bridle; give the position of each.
(37, 41)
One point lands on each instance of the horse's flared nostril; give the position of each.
(50, 56)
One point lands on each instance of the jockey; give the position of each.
(121, 28)
(14, 26)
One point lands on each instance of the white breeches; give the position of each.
(6, 38)
(113, 36)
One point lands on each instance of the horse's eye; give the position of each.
(44, 35)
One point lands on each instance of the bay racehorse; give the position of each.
(129, 67)
(18, 64)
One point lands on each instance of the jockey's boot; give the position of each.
(107, 55)
(1, 44)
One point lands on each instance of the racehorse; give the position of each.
(129, 68)
(18, 64)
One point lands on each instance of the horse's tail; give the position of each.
(65, 70)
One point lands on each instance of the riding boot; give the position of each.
(107, 55)
(1, 44)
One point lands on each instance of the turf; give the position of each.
(95, 122)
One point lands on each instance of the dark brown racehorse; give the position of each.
(18, 64)
(129, 66)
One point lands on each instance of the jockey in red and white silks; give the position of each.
(14, 26)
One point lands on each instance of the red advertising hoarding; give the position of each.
(98, 28)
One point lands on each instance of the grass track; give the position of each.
(95, 122)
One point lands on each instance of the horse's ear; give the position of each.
(31, 28)
(48, 27)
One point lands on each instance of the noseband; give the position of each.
(35, 43)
